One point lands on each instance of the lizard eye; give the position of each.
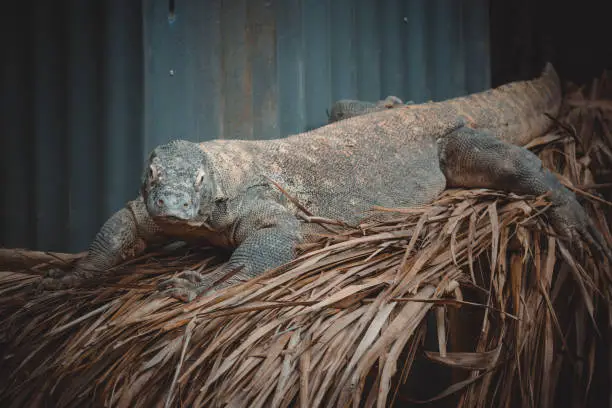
(153, 174)
(199, 179)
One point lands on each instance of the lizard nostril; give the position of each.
(160, 202)
(186, 205)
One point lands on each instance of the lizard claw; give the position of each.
(186, 286)
(573, 222)
(55, 273)
(183, 292)
(596, 240)
(56, 279)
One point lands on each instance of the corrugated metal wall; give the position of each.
(72, 109)
(264, 69)
(91, 87)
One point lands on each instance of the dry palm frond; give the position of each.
(518, 315)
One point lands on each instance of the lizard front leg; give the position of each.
(266, 237)
(476, 158)
(122, 236)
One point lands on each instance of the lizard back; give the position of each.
(387, 158)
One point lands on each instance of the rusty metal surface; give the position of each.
(89, 88)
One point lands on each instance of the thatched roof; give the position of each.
(518, 315)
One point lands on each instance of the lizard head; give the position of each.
(177, 184)
(348, 108)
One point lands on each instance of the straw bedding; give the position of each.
(518, 319)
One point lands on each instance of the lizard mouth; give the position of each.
(172, 220)
(203, 224)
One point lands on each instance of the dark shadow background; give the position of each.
(575, 36)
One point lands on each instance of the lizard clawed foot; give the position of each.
(572, 222)
(55, 273)
(186, 286)
(56, 279)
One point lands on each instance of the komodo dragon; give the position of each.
(226, 191)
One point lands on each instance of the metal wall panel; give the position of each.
(72, 113)
(271, 68)
(89, 88)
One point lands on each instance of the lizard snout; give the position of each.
(177, 205)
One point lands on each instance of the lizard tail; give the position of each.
(518, 111)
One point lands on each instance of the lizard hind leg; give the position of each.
(475, 158)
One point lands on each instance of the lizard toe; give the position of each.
(185, 295)
(183, 291)
(55, 273)
(65, 281)
(573, 223)
(167, 283)
(179, 288)
(192, 276)
(596, 240)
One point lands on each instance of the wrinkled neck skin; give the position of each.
(348, 108)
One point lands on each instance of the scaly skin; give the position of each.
(222, 190)
(348, 108)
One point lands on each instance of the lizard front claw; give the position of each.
(55, 273)
(56, 279)
(573, 222)
(186, 286)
